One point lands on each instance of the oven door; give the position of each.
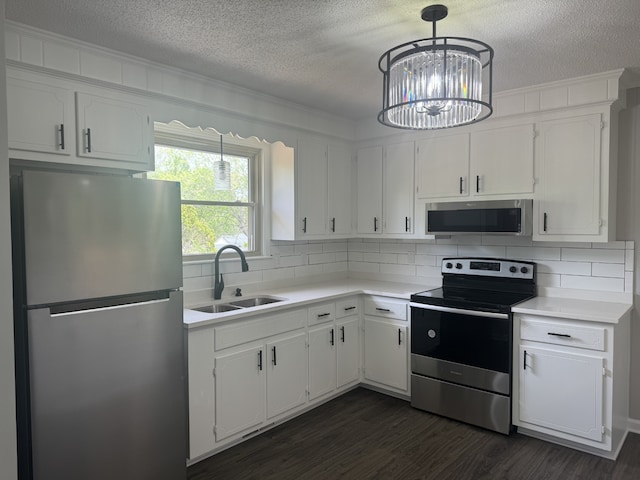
(466, 347)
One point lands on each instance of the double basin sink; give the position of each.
(248, 302)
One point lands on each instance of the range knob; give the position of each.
(449, 265)
(524, 269)
(458, 266)
(513, 269)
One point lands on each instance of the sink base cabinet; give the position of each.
(571, 382)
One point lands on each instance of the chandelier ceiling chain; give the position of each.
(436, 82)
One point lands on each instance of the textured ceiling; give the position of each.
(324, 53)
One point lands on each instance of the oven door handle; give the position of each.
(462, 311)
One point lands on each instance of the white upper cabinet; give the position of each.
(502, 160)
(568, 153)
(311, 190)
(386, 189)
(443, 166)
(398, 195)
(369, 167)
(40, 118)
(113, 130)
(312, 186)
(104, 131)
(339, 195)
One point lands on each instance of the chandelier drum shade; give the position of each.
(436, 82)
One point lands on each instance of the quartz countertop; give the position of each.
(301, 295)
(589, 310)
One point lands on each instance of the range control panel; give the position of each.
(489, 267)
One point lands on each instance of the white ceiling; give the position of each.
(324, 53)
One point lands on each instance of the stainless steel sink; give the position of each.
(255, 301)
(238, 304)
(217, 308)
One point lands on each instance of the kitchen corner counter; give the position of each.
(588, 310)
(299, 296)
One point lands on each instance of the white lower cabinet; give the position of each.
(562, 391)
(571, 381)
(240, 384)
(286, 374)
(348, 351)
(386, 337)
(200, 391)
(322, 360)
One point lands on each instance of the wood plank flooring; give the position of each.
(368, 435)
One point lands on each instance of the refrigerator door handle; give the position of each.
(108, 303)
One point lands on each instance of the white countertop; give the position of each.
(589, 310)
(298, 296)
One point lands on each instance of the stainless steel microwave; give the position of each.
(488, 217)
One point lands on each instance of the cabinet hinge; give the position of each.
(214, 373)
(604, 429)
(601, 125)
(604, 372)
(215, 430)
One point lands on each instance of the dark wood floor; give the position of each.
(367, 435)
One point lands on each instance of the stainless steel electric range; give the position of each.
(461, 340)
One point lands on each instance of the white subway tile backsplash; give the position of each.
(364, 267)
(397, 247)
(593, 255)
(482, 251)
(607, 270)
(381, 257)
(600, 267)
(571, 268)
(398, 269)
(533, 253)
(427, 249)
(592, 283)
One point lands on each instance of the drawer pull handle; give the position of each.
(383, 309)
(563, 335)
(346, 309)
(320, 315)
(342, 334)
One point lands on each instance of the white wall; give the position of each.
(8, 467)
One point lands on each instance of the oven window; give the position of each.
(476, 341)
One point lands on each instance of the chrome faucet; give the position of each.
(219, 282)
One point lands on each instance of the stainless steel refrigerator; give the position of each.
(98, 321)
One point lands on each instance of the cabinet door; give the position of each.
(502, 160)
(443, 166)
(348, 351)
(240, 391)
(322, 361)
(311, 189)
(113, 130)
(286, 374)
(370, 190)
(201, 388)
(385, 353)
(340, 188)
(562, 391)
(39, 117)
(568, 153)
(398, 188)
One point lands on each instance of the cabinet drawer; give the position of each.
(386, 307)
(347, 307)
(322, 313)
(244, 331)
(561, 333)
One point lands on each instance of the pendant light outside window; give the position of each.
(436, 82)
(222, 172)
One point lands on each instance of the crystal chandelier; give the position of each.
(436, 82)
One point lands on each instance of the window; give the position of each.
(214, 212)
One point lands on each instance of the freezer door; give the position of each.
(108, 393)
(94, 236)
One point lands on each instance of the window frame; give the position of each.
(208, 141)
